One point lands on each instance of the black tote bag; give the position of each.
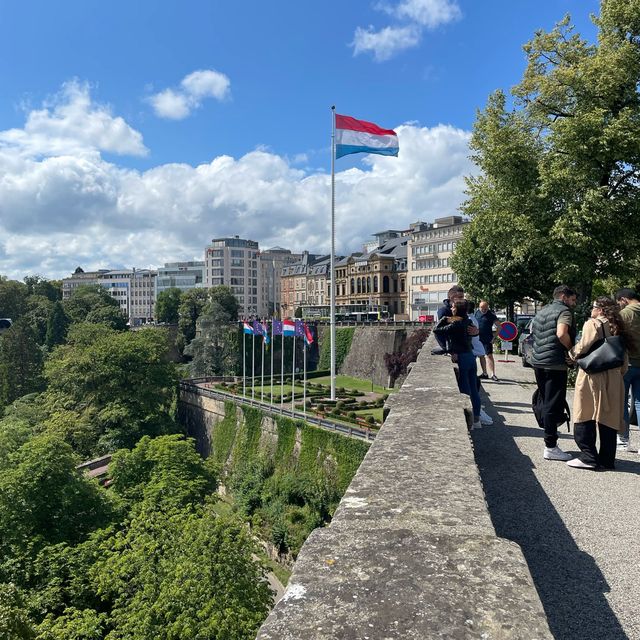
(607, 353)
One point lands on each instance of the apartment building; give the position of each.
(430, 275)
(234, 262)
(293, 280)
(181, 275)
(374, 281)
(271, 262)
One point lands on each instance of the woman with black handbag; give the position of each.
(598, 400)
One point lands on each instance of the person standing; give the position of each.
(478, 352)
(629, 303)
(455, 293)
(454, 330)
(598, 397)
(487, 321)
(554, 334)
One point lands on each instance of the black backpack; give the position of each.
(536, 406)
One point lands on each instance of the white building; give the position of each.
(180, 275)
(430, 275)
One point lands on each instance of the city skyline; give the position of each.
(131, 136)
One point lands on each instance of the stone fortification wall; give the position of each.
(411, 552)
(366, 356)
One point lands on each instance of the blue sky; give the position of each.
(132, 133)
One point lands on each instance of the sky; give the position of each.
(132, 133)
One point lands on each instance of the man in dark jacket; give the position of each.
(455, 293)
(554, 334)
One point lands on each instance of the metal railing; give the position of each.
(191, 386)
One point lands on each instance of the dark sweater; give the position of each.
(455, 333)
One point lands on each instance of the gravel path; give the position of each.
(579, 530)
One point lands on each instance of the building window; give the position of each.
(368, 284)
(375, 284)
(353, 286)
(385, 284)
(359, 286)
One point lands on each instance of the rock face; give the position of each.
(411, 552)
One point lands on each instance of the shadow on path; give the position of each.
(571, 586)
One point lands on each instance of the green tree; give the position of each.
(21, 362)
(38, 310)
(57, 326)
(14, 619)
(167, 469)
(39, 286)
(106, 389)
(167, 305)
(215, 351)
(45, 500)
(560, 173)
(111, 316)
(13, 298)
(86, 299)
(191, 307)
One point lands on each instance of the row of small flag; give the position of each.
(291, 328)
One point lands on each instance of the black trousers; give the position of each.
(584, 433)
(552, 390)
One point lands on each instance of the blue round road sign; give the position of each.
(508, 331)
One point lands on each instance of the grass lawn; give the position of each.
(352, 383)
(376, 413)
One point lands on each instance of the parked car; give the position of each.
(525, 344)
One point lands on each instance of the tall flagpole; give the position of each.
(304, 384)
(293, 374)
(282, 371)
(244, 363)
(262, 370)
(271, 346)
(253, 365)
(333, 251)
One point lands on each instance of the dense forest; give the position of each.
(149, 556)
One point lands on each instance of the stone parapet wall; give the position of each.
(411, 552)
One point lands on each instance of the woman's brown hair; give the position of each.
(611, 311)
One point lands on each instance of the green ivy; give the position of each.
(285, 495)
(224, 434)
(344, 337)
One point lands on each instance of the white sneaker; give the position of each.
(485, 418)
(623, 444)
(476, 425)
(576, 463)
(556, 453)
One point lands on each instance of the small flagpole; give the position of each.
(271, 345)
(244, 362)
(304, 384)
(253, 365)
(293, 374)
(333, 251)
(282, 371)
(262, 371)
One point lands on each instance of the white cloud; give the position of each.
(414, 16)
(169, 104)
(177, 104)
(70, 123)
(385, 43)
(58, 212)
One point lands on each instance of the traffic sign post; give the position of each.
(508, 333)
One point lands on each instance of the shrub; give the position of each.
(371, 420)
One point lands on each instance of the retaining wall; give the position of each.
(411, 552)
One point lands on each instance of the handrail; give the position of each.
(353, 432)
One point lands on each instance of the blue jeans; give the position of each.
(631, 381)
(468, 381)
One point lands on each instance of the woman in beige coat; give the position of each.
(598, 401)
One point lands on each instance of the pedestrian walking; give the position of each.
(629, 302)
(454, 331)
(599, 397)
(554, 334)
(479, 352)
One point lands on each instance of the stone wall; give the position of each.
(411, 552)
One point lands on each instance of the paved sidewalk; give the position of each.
(579, 530)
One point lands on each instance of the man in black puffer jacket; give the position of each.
(554, 334)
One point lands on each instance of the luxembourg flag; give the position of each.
(359, 136)
(247, 328)
(308, 336)
(288, 328)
